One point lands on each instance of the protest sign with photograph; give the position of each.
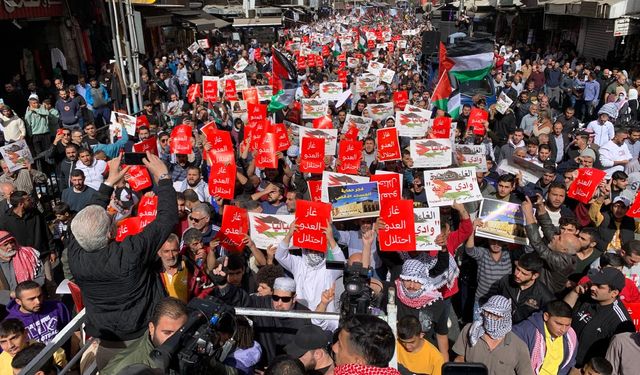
(379, 111)
(314, 108)
(264, 93)
(239, 110)
(193, 48)
(330, 90)
(311, 218)
(330, 137)
(240, 65)
(16, 155)
(337, 179)
(398, 233)
(585, 185)
(389, 184)
(312, 155)
(268, 229)
(427, 225)
(386, 75)
(222, 180)
(388, 144)
(363, 124)
(354, 201)
(531, 172)
(502, 221)
(413, 124)
(203, 43)
(503, 103)
(430, 153)
(239, 78)
(350, 156)
(129, 122)
(375, 67)
(443, 186)
(471, 156)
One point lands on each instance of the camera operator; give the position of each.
(365, 346)
(168, 316)
(271, 332)
(118, 283)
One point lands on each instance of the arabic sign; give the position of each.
(330, 90)
(127, 227)
(503, 103)
(413, 124)
(430, 153)
(363, 124)
(388, 144)
(398, 233)
(379, 111)
(350, 156)
(585, 185)
(235, 224)
(222, 180)
(443, 186)
(138, 177)
(128, 122)
(337, 179)
(314, 108)
(240, 79)
(502, 221)
(366, 83)
(180, 141)
(147, 210)
(311, 218)
(312, 155)
(267, 229)
(389, 184)
(329, 136)
(210, 89)
(354, 201)
(427, 225)
(472, 156)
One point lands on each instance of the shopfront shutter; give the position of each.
(599, 38)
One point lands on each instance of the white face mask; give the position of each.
(312, 258)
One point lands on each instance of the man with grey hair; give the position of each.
(6, 189)
(200, 218)
(118, 283)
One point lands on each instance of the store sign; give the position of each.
(624, 26)
(30, 9)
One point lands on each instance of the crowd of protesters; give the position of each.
(558, 305)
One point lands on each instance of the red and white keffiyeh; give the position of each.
(353, 369)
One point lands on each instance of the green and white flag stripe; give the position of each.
(471, 67)
(453, 105)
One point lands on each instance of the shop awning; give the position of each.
(153, 17)
(257, 22)
(224, 10)
(201, 20)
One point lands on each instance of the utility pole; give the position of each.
(126, 51)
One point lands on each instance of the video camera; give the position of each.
(189, 349)
(357, 295)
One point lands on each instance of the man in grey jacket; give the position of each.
(69, 110)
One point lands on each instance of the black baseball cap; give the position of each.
(608, 276)
(309, 337)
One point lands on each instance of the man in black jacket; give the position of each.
(118, 284)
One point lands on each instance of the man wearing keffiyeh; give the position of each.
(490, 341)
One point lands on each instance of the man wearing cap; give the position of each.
(615, 155)
(615, 228)
(491, 342)
(598, 313)
(37, 120)
(273, 333)
(310, 346)
(602, 127)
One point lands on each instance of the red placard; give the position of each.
(235, 224)
(350, 156)
(400, 99)
(390, 47)
(311, 218)
(389, 185)
(257, 54)
(257, 131)
(210, 89)
(319, 61)
(256, 112)
(399, 231)
(302, 62)
(342, 57)
(128, 227)
(266, 152)
(477, 118)
(139, 178)
(371, 44)
(230, 92)
(634, 210)
(342, 77)
(388, 144)
(147, 210)
(221, 146)
(315, 190)
(222, 180)
(149, 144)
(351, 134)
(282, 137)
(323, 122)
(325, 51)
(585, 185)
(180, 142)
(634, 312)
(441, 128)
(250, 95)
(193, 92)
(142, 120)
(311, 61)
(312, 155)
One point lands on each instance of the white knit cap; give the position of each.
(285, 284)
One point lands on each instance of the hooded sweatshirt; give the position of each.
(44, 325)
(13, 128)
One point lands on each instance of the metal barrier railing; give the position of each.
(65, 334)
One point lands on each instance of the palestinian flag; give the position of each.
(283, 97)
(283, 68)
(444, 63)
(454, 104)
(441, 93)
(472, 59)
